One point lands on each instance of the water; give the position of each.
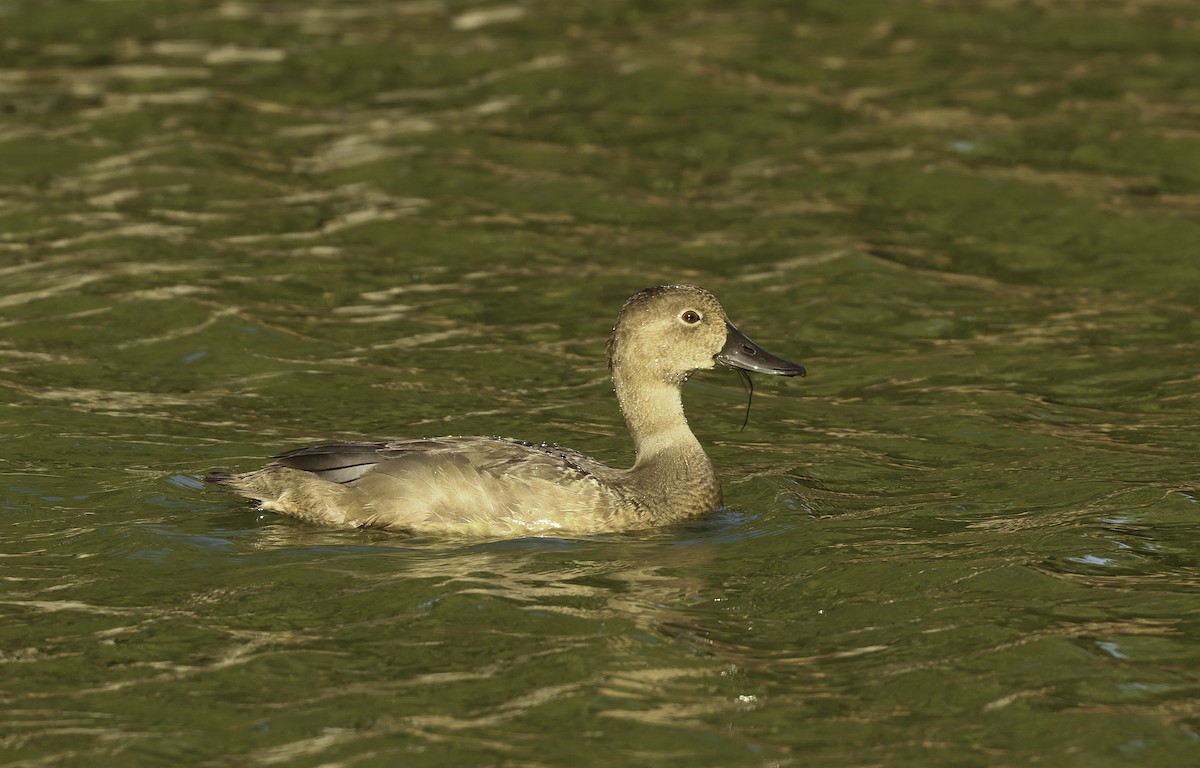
(967, 538)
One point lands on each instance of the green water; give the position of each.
(968, 538)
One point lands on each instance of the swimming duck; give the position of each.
(498, 487)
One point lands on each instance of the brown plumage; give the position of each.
(499, 487)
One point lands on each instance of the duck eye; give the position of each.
(691, 317)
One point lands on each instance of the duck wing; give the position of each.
(347, 462)
(335, 462)
(486, 486)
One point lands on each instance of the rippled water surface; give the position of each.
(969, 537)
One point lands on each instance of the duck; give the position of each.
(500, 487)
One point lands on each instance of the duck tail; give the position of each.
(292, 492)
(220, 477)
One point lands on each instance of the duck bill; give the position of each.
(740, 352)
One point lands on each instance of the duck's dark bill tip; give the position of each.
(740, 352)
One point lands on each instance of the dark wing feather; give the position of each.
(335, 462)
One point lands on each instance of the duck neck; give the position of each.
(661, 435)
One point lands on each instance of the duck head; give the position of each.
(667, 332)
